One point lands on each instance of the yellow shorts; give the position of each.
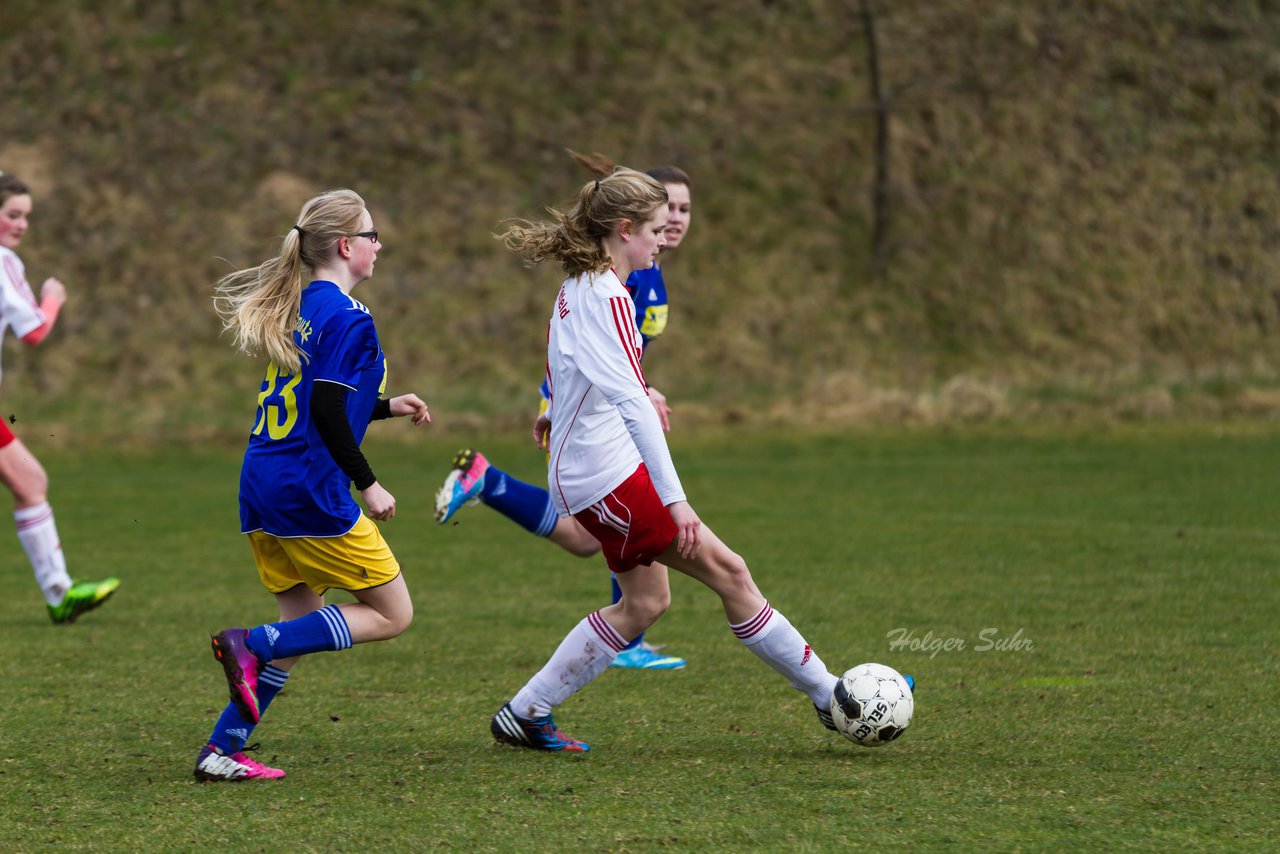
(357, 560)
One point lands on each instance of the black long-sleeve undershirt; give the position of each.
(329, 412)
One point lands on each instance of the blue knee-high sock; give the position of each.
(617, 596)
(232, 731)
(527, 505)
(324, 630)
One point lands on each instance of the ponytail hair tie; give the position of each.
(597, 184)
(298, 229)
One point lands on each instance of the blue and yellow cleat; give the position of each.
(463, 485)
(536, 734)
(643, 658)
(81, 598)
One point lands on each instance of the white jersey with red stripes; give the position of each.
(593, 366)
(18, 306)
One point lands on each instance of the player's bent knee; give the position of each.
(657, 607)
(390, 628)
(393, 623)
(583, 549)
(647, 609)
(569, 535)
(400, 622)
(578, 541)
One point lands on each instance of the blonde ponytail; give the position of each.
(576, 238)
(260, 305)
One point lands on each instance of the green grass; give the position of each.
(1139, 565)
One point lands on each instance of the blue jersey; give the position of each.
(289, 484)
(649, 294)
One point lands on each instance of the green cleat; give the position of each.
(83, 596)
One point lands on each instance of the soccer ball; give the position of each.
(872, 705)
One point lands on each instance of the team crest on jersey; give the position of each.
(655, 321)
(302, 326)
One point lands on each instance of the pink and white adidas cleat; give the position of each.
(214, 766)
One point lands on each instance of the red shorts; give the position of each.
(6, 435)
(631, 524)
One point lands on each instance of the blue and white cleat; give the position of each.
(463, 485)
(536, 734)
(911, 683)
(643, 658)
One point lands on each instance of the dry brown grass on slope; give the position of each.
(1083, 194)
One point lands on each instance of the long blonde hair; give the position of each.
(575, 239)
(260, 304)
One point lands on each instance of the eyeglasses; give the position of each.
(372, 235)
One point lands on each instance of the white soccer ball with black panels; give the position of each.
(872, 705)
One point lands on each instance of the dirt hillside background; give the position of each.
(1081, 197)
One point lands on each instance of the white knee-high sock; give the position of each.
(774, 640)
(582, 656)
(39, 537)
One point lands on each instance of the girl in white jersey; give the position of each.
(610, 467)
(19, 468)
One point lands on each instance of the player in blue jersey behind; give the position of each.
(475, 479)
(323, 385)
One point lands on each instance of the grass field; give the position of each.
(1131, 576)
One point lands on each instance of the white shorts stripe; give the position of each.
(609, 518)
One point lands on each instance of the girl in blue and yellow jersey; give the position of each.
(474, 478)
(323, 385)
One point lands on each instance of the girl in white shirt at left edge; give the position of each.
(21, 472)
